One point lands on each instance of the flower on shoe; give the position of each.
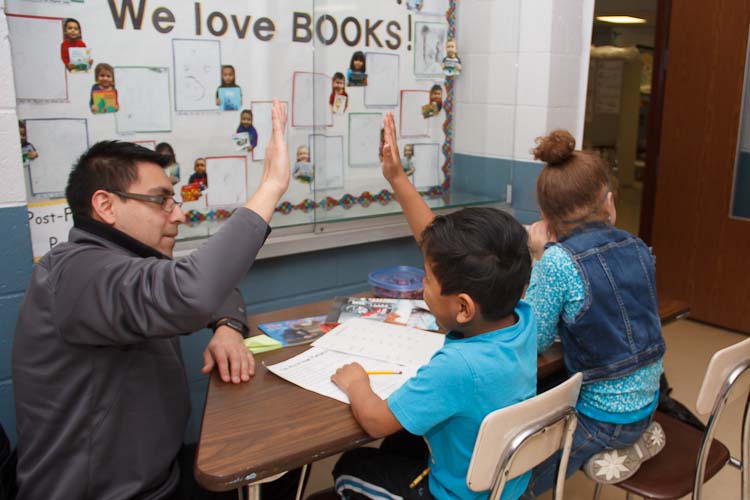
(611, 465)
(657, 437)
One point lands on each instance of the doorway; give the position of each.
(619, 98)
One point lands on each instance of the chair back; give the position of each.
(513, 440)
(718, 389)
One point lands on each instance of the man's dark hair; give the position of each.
(108, 165)
(482, 252)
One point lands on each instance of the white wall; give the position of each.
(526, 68)
(12, 190)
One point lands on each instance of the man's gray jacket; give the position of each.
(101, 395)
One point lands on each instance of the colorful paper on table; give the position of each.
(297, 331)
(410, 312)
(262, 343)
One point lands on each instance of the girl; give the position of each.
(357, 72)
(227, 82)
(105, 80)
(594, 286)
(71, 39)
(339, 100)
(173, 169)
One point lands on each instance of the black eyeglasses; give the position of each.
(167, 203)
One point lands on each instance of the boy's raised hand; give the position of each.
(392, 167)
(276, 164)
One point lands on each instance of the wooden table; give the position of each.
(253, 430)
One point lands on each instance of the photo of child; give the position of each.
(303, 169)
(436, 102)
(228, 94)
(408, 163)
(28, 151)
(451, 61)
(246, 126)
(415, 5)
(339, 100)
(72, 49)
(173, 169)
(357, 72)
(199, 176)
(103, 92)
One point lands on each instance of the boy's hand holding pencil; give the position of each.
(349, 376)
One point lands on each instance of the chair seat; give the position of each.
(670, 474)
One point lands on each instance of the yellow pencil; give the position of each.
(419, 478)
(384, 372)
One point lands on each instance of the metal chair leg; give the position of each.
(597, 490)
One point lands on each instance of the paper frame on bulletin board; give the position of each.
(426, 176)
(53, 155)
(50, 230)
(208, 88)
(416, 116)
(377, 80)
(324, 105)
(433, 69)
(340, 169)
(226, 200)
(263, 141)
(164, 124)
(46, 74)
(372, 145)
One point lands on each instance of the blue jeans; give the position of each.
(591, 437)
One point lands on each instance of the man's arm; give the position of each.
(418, 214)
(371, 412)
(108, 298)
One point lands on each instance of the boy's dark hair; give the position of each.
(436, 87)
(107, 165)
(482, 252)
(338, 76)
(246, 112)
(358, 56)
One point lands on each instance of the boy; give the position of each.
(477, 264)
(246, 125)
(199, 177)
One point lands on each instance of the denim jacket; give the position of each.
(617, 330)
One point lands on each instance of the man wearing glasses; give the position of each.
(102, 400)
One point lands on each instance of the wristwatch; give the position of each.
(234, 324)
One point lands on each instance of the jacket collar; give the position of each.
(115, 236)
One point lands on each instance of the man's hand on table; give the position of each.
(227, 351)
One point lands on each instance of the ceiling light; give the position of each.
(621, 19)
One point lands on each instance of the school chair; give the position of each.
(676, 472)
(513, 440)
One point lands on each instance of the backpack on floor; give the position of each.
(674, 408)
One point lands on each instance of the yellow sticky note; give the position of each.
(262, 343)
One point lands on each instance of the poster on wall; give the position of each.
(58, 143)
(195, 80)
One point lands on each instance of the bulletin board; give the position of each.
(169, 61)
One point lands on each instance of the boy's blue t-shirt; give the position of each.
(464, 381)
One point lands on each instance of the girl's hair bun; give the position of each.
(555, 148)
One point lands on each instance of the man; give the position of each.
(101, 395)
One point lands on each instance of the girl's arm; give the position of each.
(418, 214)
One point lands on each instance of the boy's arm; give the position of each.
(418, 214)
(371, 412)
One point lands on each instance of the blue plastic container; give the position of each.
(400, 282)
